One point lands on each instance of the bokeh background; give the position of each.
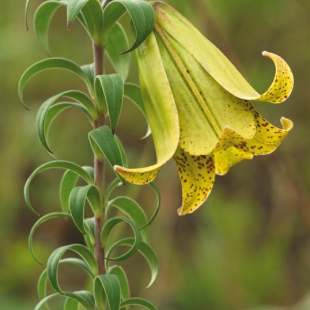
(247, 247)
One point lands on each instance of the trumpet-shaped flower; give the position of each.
(198, 107)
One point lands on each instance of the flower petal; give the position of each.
(160, 109)
(216, 63)
(197, 177)
(266, 140)
(205, 108)
(225, 159)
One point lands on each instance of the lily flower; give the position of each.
(198, 107)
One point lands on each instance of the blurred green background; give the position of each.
(248, 247)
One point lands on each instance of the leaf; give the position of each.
(54, 261)
(74, 8)
(57, 108)
(123, 281)
(112, 89)
(51, 63)
(67, 183)
(133, 210)
(138, 302)
(71, 304)
(133, 93)
(42, 114)
(140, 12)
(117, 43)
(107, 287)
(37, 224)
(43, 280)
(63, 164)
(106, 230)
(42, 19)
(85, 298)
(93, 20)
(104, 144)
(77, 201)
(145, 250)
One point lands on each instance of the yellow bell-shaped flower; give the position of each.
(198, 107)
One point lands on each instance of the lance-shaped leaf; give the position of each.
(136, 301)
(74, 8)
(123, 281)
(108, 227)
(52, 63)
(104, 145)
(109, 91)
(77, 201)
(107, 288)
(54, 261)
(140, 12)
(43, 280)
(42, 19)
(84, 298)
(40, 221)
(68, 182)
(62, 164)
(92, 19)
(117, 43)
(147, 252)
(42, 114)
(133, 210)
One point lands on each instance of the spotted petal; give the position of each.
(197, 177)
(216, 63)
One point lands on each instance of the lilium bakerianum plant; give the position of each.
(198, 107)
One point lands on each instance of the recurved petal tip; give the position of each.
(283, 81)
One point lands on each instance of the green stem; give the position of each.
(99, 171)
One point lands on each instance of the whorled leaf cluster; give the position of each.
(104, 98)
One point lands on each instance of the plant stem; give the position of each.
(99, 171)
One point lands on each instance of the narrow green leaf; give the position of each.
(117, 43)
(104, 145)
(136, 301)
(133, 210)
(51, 63)
(63, 164)
(112, 88)
(157, 194)
(90, 73)
(57, 108)
(114, 184)
(77, 201)
(140, 12)
(37, 224)
(145, 250)
(89, 225)
(123, 281)
(74, 8)
(43, 280)
(42, 19)
(106, 230)
(54, 261)
(107, 287)
(71, 304)
(67, 183)
(84, 298)
(42, 114)
(93, 18)
(133, 93)
(41, 287)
